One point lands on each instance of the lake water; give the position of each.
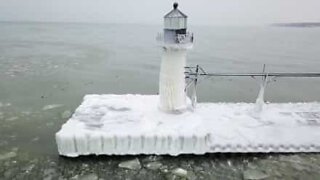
(47, 68)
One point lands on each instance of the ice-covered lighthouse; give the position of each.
(175, 41)
(131, 124)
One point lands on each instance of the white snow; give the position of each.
(132, 124)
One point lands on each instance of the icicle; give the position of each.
(260, 98)
(194, 96)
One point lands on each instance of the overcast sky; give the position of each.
(200, 12)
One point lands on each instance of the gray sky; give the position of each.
(200, 12)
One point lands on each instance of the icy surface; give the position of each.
(172, 80)
(180, 172)
(132, 124)
(154, 165)
(66, 114)
(131, 164)
(260, 100)
(51, 106)
(251, 174)
(7, 155)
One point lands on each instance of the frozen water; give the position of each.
(51, 106)
(260, 99)
(49, 174)
(66, 114)
(35, 139)
(172, 81)
(153, 158)
(12, 118)
(28, 168)
(1, 115)
(4, 104)
(131, 164)
(213, 127)
(154, 165)
(180, 172)
(91, 176)
(8, 155)
(254, 174)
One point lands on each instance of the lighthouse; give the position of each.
(175, 41)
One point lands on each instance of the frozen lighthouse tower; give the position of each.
(175, 42)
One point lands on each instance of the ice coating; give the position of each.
(132, 124)
(172, 80)
(260, 99)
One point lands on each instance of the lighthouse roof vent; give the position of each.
(175, 13)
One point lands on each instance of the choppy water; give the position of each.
(46, 69)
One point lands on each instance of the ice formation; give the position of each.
(132, 124)
(260, 99)
(172, 80)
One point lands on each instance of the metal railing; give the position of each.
(179, 38)
(192, 75)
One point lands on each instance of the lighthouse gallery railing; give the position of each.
(180, 38)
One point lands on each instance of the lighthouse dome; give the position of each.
(175, 19)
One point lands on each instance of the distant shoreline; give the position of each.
(298, 25)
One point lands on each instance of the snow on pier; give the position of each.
(133, 124)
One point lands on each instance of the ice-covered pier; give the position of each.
(132, 124)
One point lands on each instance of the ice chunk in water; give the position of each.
(8, 155)
(254, 174)
(131, 164)
(180, 172)
(51, 106)
(154, 165)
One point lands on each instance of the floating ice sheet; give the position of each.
(132, 124)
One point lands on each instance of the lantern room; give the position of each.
(175, 19)
(175, 27)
